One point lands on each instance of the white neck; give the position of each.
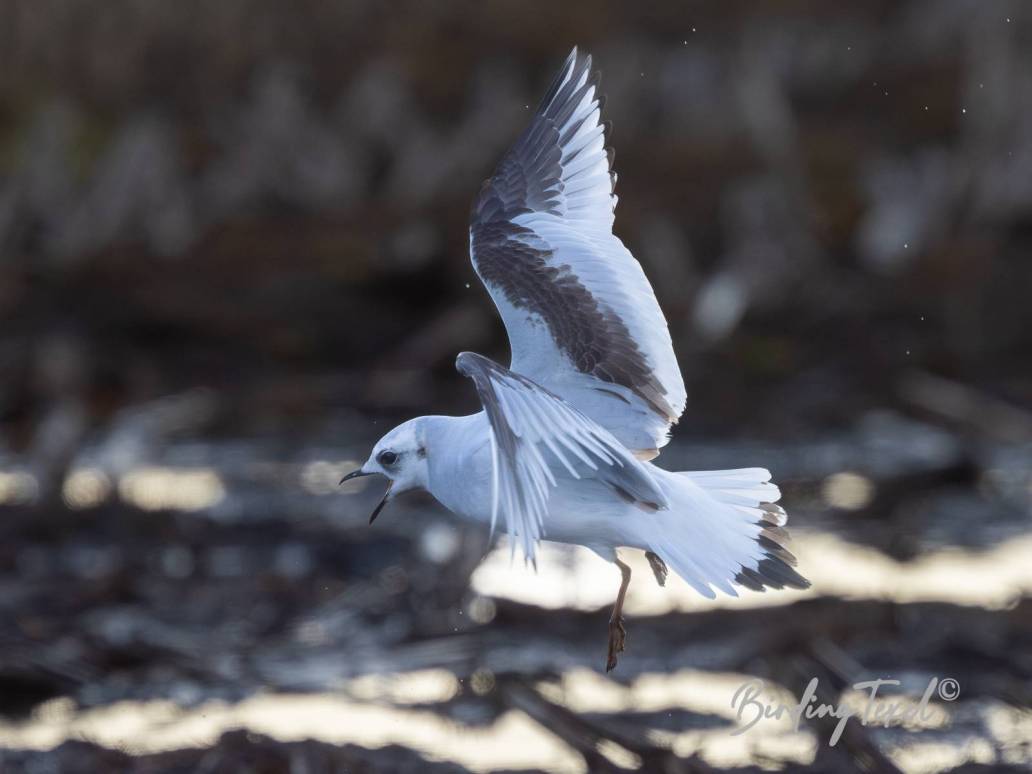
(459, 463)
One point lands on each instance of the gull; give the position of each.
(562, 449)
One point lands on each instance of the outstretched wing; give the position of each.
(537, 437)
(581, 316)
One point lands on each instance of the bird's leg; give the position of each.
(659, 568)
(617, 633)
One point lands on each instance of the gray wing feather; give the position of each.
(541, 241)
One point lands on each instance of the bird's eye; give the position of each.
(387, 458)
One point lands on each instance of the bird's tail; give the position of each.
(724, 528)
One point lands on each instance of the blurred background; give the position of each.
(233, 253)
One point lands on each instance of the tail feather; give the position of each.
(723, 528)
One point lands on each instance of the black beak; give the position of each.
(354, 474)
(379, 507)
(383, 502)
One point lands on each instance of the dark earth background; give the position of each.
(233, 252)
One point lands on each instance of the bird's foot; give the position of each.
(617, 636)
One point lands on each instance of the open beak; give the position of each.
(386, 495)
(383, 502)
(354, 474)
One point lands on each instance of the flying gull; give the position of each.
(562, 449)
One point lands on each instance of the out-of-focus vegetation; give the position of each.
(233, 251)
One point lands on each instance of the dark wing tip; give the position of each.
(750, 579)
(529, 176)
(770, 572)
(775, 570)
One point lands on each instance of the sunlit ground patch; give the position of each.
(378, 711)
(577, 578)
(512, 741)
(17, 487)
(182, 489)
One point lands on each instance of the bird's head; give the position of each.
(401, 457)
